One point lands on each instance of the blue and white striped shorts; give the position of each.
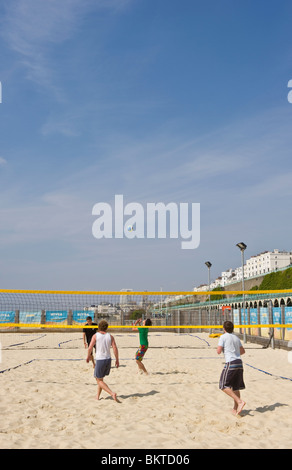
(232, 376)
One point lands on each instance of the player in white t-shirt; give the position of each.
(103, 341)
(231, 379)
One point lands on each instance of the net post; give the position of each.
(271, 321)
(248, 319)
(244, 329)
(16, 319)
(240, 321)
(190, 319)
(43, 317)
(283, 322)
(200, 318)
(70, 317)
(95, 316)
(259, 320)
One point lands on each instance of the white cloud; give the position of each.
(2, 161)
(64, 125)
(32, 27)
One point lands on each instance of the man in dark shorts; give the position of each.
(87, 335)
(231, 379)
(103, 342)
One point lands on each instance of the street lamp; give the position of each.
(242, 247)
(208, 264)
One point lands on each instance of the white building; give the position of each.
(124, 299)
(106, 309)
(263, 263)
(226, 277)
(216, 283)
(127, 301)
(267, 262)
(201, 288)
(237, 274)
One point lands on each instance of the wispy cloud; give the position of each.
(66, 125)
(31, 28)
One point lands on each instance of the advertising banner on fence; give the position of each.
(288, 319)
(30, 317)
(79, 317)
(264, 320)
(254, 320)
(7, 316)
(236, 316)
(56, 316)
(277, 320)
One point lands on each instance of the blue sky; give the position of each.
(161, 101)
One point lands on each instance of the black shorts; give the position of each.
(232, 376)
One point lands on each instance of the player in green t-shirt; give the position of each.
(143, 338)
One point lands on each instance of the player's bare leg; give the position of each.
(141, 367)
(92, 360)
(99, 389)
(237, 400)
(103, 386)
(235, 406)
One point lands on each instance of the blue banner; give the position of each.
(7, 316)
(30, 317)
(288, 316)
(264, 316)
(236, 316)
(253, 316)
(276, 315)
(244, 316)
(79, 316)
(55, 316)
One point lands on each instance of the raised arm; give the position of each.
(136, 323)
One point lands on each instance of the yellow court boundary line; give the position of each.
(146, 293)
(130, 327)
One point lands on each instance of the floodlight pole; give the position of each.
(242, 247)
(208, 264)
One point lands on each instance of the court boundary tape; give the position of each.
(268, 373)
(201, 357)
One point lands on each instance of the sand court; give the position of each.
(48, 396)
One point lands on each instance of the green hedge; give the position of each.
(277, 280)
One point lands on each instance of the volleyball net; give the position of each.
(182, 313)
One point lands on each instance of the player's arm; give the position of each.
(115, 349)
(242, 350)
(220, 347)
(136, 323)
(91, 346)
(84, 339)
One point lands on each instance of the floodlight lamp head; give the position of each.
(208, 264)
(241, 246)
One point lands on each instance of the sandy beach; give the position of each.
(48, 396)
